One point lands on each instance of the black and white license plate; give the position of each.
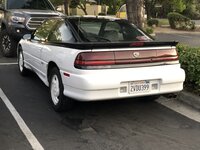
(139, 87)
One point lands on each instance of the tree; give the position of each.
(113, 5)
(57, 2)
(178, 5)
(62, 2)
(135, 12)
(150, 7)
(81, 4)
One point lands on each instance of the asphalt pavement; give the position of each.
(110, 125)
(11, 136)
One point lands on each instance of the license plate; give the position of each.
(139, 87)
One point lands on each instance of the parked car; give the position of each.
(96, 58)
(122, 13)
(19, 17)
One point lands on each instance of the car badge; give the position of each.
(136, 54)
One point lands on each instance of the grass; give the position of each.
(163, 22)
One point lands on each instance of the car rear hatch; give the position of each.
(122, 55)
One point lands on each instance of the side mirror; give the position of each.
(27, 37)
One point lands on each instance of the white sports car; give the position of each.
(94, 58)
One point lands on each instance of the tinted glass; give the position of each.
(29, 4)
(42, 33)
(99, 30)
(61, 33)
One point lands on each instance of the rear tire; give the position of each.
(59, 101)
(8, 44)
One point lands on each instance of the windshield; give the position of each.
(29, 4)
(105, 30)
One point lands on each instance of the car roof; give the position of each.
(93, 17)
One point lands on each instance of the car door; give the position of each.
(37, 43)
(33, 53)
(58, 35)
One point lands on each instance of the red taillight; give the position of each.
(86, 59)
(105, 59)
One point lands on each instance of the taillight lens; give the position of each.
(86, 60)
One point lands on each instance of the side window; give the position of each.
(42, 33)
(61, 33)
(29, 4)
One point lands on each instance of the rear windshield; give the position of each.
(99, 30)
(29, 4)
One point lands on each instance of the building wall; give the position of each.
(91, 10)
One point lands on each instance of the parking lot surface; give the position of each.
(109, 125)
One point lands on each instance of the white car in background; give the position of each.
(94, 58)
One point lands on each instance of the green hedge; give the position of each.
(152, 22)
(149, 30)
(190, 62)
(178, 21)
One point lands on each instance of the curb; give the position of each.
(189, 99)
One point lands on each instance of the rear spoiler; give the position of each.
(101, 45)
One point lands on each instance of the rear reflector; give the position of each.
(104, 59)
(66, 74)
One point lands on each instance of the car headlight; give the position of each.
(17, 19)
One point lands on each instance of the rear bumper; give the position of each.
(94, 85)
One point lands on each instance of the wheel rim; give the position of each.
(21, 61)
(6, 43)
(55, 90)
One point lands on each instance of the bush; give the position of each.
(152, 22)
(190, 62)
(149, 30)
(178, 21)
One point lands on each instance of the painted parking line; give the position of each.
(7, 64)
(181, 108)
(24, 128)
